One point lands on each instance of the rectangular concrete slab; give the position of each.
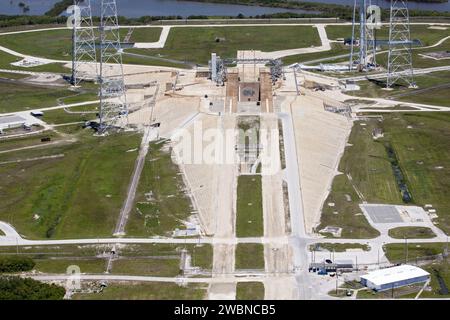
(383, 214)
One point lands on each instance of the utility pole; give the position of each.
(336, 282)
(406, 250)
(378, 258)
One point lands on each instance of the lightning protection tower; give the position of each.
(84, 57)
(363, 52)
(113, 103)
(400, 66)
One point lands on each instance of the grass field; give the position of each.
(184, 44)
(441, 268)
(77, 196)
(249, 256)
(168, 267)
(33, 140)
(6, 59)
(60, 116)
(20, 96)
(425, 35)
(57, 44)
(249, 291)
(88, 265)
(136, 259)
(196, 44)
(336, 50)
(161, 203)
(396, 252)
(249, 215)
(40, 252)
(161, 259)
(12, 76)
(421, 152)
(411, 233)
(338, 247)
(424, 94)
(420, 61)
(146, 291)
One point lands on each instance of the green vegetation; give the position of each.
(161, 260)
(439, 271)
(57, 44)
(136, 259)
(438, 268)
(146, 291)
(59, 7)
(196, 44)
(396, 252)
(169, 267)
(161, 203)
(365, 161)
(36, 252)
(6, 59)
(28, 141)
(421, 147)
(411, 233)
(337, 49)
(9, 264)
(60, 265)
(407, 292)
(432, 89)
(20, 96)
(349, 215)
(423, 33)
(76, 196)
(338, 247)
(249, 256)
(250, 291)
(249, 215)
(12, 76)
(419, 61)
(16, 288)
(75, 114)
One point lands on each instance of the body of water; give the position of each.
(137, 8)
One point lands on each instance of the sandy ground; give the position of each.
(321, 137)
(224, 189)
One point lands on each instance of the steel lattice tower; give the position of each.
(113, 103)
(364, 59)
(400, 55)
(84, 57)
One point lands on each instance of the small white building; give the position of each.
(10, 122)
(389, 278)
